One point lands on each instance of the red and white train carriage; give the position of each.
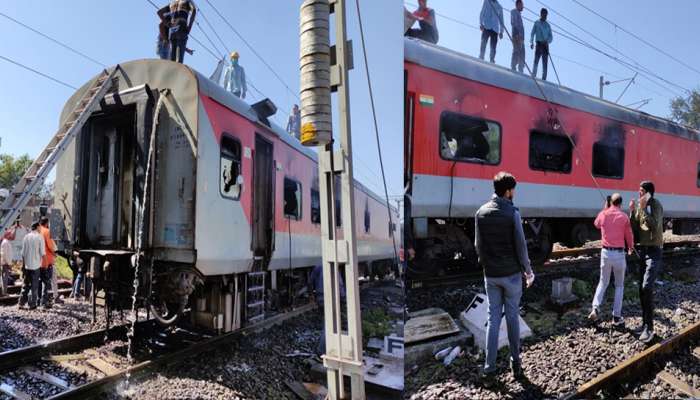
(233, 209)
(467, 119)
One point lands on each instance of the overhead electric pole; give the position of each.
(320, 76)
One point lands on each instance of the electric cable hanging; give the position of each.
(376, 126)
(558, 121)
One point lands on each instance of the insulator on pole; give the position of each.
(315, 69)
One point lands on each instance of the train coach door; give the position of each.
(263, 198)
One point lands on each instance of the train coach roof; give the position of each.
(160, 74)
(458, 64)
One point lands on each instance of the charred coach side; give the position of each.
(466, 120)
(182, 190)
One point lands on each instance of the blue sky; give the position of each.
(117, 31)
(670, 26)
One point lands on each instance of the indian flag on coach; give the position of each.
(426, 100)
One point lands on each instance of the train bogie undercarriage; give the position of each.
(444, 245)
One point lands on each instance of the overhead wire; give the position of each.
(376, 125)
(47, 76)
(639, 38)
(636, 65)
(65, 46)
(252, 49)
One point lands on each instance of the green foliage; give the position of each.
(12, 169)
(63, 271)
(375, 323)
(686, 110)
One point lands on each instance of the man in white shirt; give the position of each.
(6, 257)
(33, 250)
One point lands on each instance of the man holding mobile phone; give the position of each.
(647, 217)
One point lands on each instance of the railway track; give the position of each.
(644, 368)
(77, 368)
(561, 260)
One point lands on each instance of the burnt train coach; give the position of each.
(231, 222)
(466, 120)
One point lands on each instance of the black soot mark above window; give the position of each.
(469, 139)
(292, 199)
(550, 152)
(608, 160)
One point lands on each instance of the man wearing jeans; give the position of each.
(33, 250)
(647, 223)
(616, 233)
(491, 24)
(502, 251)
(518, 37)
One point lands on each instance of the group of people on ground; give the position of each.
(39, 275)
(502, 252)
(492, 28)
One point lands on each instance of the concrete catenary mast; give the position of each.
(320, 76)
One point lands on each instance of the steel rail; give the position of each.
(143, 368)
(634, 366)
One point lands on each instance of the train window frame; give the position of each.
(367, 215)
(698, 177)
(315, 211)
(299, 196)
(445, 113)
(593, 161)
(543, 169)
(237, 187)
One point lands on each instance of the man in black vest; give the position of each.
(502, 250)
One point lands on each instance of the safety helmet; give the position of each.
(234, 54)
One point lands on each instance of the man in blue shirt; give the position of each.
(542, 34)
(491, 23)
(234, 78)
(518, 35)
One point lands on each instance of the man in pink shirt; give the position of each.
(616, 231)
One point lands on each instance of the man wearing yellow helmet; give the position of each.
(234, 78)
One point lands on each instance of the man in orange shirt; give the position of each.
(47, 264)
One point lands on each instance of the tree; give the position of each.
(12, 169)
(686, 110)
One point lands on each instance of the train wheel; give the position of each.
(580, 234)
(167, 314)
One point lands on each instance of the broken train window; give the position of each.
(292, 199)
(469, 139)
(231, 177)
(608, 160)
(550, 152)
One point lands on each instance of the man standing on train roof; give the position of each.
(6, 258)
(647, 217)
(33, 250)
(542, 35)
(294, 123)
(502, 252)
(518, 37)
(616, 233)
(492, 27)
(181, 14)
(426, 21)
(234, 78)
